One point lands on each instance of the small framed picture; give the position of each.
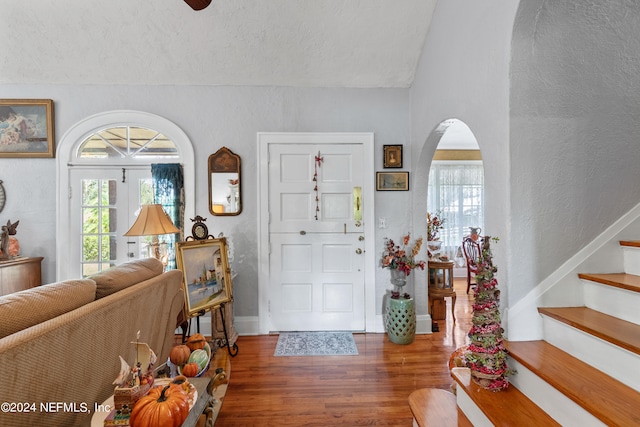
(26, 128)
(392, 181)
(392, 156)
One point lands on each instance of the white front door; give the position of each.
(316, 233)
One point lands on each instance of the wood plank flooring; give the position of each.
(369, 389)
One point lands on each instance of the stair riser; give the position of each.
(560, 407)
(616, 302)
(610, 359)
(631, 260)
(471, 410)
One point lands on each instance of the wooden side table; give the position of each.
(440, 277)
(20, 273)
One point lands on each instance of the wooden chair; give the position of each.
(471, 249)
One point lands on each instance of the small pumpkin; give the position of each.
(162, 406)
(190, 369)
(179, 354)
(196, 342)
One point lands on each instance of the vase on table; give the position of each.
(434, 247)
(398, 279)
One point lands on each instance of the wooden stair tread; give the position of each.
(611, 329)
(632, 243)
(506, 408)
(630, 282)
(436, 407)
(605, 398)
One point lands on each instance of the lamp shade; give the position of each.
(152, 221)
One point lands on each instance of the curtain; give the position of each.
(456, 192)
(168, 189)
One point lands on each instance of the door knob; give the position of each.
(358, 251)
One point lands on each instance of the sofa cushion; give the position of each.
(29, 307)
(124, 275)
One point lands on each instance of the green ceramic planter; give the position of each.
(400, 320)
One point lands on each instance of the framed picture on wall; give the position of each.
(207, 276)
(26, 128)
(392, 156)
(392, 181)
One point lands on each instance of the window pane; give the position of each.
(146, 192)
(90, 248)
(108, 192)
(89, 192)
(89, 269)
(127, 141)
(89, 220)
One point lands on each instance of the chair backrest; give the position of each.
(471, 249)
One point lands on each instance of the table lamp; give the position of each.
(152, 221)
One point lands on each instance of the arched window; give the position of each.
(105, 163)
(127, 141)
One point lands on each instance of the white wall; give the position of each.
(555, 113)
(464, 74)
(575, 147)
(212, 117)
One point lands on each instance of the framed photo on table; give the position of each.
(392, 181)
(26, 128)
(207, 275)
(392, 156)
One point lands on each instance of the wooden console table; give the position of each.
(21, 273)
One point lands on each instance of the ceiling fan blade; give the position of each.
(198, 4)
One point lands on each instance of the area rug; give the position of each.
(316, 344)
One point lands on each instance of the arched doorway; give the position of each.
(125, 144)
(456, 187)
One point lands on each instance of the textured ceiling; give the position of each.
(319, 43)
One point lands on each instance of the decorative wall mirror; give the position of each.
(225, 197)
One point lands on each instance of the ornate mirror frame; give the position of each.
(225, 194)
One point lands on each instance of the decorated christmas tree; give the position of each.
(486, 354)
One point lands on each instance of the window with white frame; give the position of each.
(456, 193)
(104, 175)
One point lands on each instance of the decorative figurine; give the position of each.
(6, 251)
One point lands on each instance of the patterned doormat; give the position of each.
(316, 344)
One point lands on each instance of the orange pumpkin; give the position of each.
(161, 407)
(179, 354)
(190, 369)
(196, 342)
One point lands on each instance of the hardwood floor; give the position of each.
(371, 388)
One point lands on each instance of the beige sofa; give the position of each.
(59, 343)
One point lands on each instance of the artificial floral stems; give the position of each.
(401, 260)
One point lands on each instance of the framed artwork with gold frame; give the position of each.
(392, 181)
(26, 128)
(392, 156)
(207, 275)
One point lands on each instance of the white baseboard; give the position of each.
(250, 325)
(247, 325)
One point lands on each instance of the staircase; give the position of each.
(586, 370)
